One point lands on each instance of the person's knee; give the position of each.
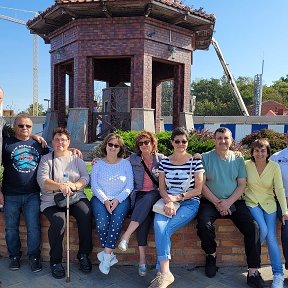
(58, 224)
(205, 226)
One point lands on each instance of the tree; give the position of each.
(214, 97)
(282, 87)
(29, 110)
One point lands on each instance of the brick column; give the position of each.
(59, 93)
(187, 87)
(178, 92)
(141, 81)
(84, 85)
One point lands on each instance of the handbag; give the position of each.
(158, 207)
(59, 199)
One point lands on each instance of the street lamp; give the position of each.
(48, 100)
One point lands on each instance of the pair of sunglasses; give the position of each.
(24, 125)
(113, 145)
(146, 142)
(178, 141)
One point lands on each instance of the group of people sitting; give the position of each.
(209, 186)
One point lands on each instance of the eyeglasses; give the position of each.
(146, 142)
(24, 125)
(113, 145)
(178, 141)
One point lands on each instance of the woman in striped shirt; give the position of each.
(180, 180)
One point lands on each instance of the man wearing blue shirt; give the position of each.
(224, 184)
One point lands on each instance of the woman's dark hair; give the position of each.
(61, 130)
(151, 136)
(260, 143)
(107, 139)
(179, 131)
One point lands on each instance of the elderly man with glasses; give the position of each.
(21, 193)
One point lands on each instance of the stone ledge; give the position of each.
(186, 247)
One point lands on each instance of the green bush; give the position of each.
(202, 141)
(277, 140)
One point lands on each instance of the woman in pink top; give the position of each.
(144, 195)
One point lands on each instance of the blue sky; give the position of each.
(247, 31)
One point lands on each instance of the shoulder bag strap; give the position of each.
(149, 174)
(52, 171)
(190, 176)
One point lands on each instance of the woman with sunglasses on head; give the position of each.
(111, 183)
(144, 195)
(180, 180)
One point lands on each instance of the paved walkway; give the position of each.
(125, 276)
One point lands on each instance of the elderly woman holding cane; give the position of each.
(111, 183)
(62, 174)
(180, 185)
(145, 164)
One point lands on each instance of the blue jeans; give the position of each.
(109, 225)
(164, 227)
(267, 227)
(29, 205)
(284, 235)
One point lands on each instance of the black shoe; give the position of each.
(255, 280)
(14, 263)
(85, 263)
(210, 268)
(57, 270)
(35, 264)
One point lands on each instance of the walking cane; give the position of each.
(68, 241)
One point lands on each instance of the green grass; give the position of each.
(88, 190)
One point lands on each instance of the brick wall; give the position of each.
(186, 248)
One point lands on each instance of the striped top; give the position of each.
(177, 176)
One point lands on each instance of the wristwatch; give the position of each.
(181, 197)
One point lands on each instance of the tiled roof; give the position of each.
(170, 11)
(173, 3)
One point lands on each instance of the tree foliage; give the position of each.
(29, 110)
(215, 98)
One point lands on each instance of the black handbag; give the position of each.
(59, 199)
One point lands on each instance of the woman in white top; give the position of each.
(111, 183)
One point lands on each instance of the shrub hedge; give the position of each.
(201, 141)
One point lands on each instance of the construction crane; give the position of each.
(35, 55)
(230, 78)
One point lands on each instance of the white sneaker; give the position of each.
(105, 263)
(278, 281)
(123, 245)
(142, 270)
(113, 259)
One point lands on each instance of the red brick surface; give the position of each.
(186, 249)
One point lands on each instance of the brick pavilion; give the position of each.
(141, 42)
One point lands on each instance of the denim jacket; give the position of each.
(138, 172)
